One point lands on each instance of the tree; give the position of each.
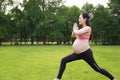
(89, 8)
(30, 12)
(51, 21)
(115, 10)
(114, 7)
(4, 19)
(102, 23)
(3, 26)
(39, 17)
(17, 16)
(59, 25)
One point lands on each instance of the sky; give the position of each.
(80, 3)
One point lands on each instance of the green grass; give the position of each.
(42, 63)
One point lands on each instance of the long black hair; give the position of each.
(87, 17)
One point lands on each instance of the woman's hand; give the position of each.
(75, 27)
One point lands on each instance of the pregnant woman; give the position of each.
(81, 48)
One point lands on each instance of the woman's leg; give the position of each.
(90, 60)
(65, 60)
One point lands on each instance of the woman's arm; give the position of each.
(81, 31)
(73, 35)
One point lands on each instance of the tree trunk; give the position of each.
(0, 41)
(32, 40)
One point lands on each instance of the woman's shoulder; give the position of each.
(87, 27)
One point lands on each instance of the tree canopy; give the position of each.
(49, 21)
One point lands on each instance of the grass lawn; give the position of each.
(42, 63)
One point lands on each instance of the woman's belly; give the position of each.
(80, 46)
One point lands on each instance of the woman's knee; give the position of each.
(64, 60)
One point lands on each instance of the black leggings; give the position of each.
(86, 56)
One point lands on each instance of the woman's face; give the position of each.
(81, 20)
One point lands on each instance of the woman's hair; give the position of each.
(86, 15)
